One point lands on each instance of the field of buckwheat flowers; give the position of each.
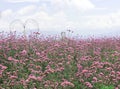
(50, 63)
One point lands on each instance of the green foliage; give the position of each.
(102, 86)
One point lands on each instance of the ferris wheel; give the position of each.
(31, 26)
(16, 25)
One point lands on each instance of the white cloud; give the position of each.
(6, 13)
(60, 20)
(47, 22)
(4, 26)
(74, 4)
(18, 1)
(82, 4)
(103, 22)
(27, 10)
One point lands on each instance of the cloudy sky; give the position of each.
(85, 17)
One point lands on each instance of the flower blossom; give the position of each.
(67, 83)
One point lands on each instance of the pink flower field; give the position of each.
(41, 62)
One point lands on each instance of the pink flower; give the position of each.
(84, 71)
(32, 77)
(79, 67)
(16, 61)
(50, 70)
(22, 81)
(27, 80)
(37, 53)
(118, 73)
(113, 72)
(69, 57)
(39, 78)
(60, 69)
(118, 78)
(101, 74)
(24, 52)
(109, 69)
(94, 79)
(116, 88)
(56, 45)
(10, 58)
(2, 68)
(67, 83)
(88, 84)
(13, 77)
